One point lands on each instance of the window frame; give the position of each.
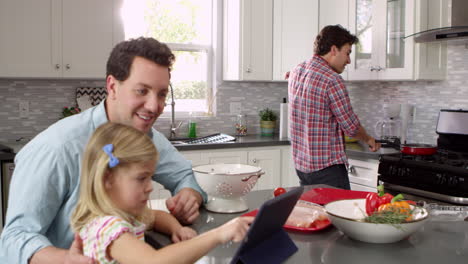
(208, 49)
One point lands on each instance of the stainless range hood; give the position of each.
(456, 27)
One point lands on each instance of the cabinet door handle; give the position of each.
(57, 66)
(254, 160)
(378, 68)
(352, 168)
(67, 66)
(249, 70)
(372, 68)
(360, 167)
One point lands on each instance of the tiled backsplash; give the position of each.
(47, 98)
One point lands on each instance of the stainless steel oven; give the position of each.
(6, 171)
(442, 176)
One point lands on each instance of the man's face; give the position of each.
(139, 100)
(340, 58)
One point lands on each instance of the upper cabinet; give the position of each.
(57, 38)
(295, 26)
(247, 47)
(263, 39)
(329, 14)
(383, 52)
(90, 30)
(29, 42)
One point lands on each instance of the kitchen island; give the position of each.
(436, 242)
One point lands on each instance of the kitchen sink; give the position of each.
(177, 141)
(214, 138)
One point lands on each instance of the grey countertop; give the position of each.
(353, 150)
(360, 150)
(436, 242)
(240, 142)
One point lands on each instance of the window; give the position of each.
(186, 27)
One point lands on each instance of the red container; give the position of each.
(418, 149)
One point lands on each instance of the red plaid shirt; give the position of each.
(320, 111)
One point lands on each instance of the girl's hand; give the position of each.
(235, 230)
(183, 233)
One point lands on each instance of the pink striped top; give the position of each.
(98, 234)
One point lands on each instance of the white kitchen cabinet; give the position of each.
(329, 14)
(276, 161)
(363, 174)
(28, 44)
(90, 30)
(267, 158)
(224, 156)
(247, 45)
(382, 52)
(295, 26)
(57, 38)
(289, 177)
(270, 162)
(362, 188)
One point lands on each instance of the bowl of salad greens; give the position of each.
(379, 220)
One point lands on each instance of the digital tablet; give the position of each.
(266, 241)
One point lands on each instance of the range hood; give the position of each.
(456, 27)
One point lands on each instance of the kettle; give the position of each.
(388, 129)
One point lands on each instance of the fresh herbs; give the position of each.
(383, 208)
(393, 217)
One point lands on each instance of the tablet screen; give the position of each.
(269, 220)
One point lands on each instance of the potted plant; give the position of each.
(68, 111)
(267, 121)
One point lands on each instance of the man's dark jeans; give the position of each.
(336, 176)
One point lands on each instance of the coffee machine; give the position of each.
(389, 128)
(395, 127)
(407, 115)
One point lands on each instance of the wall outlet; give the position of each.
(24, 109)
(235, 108)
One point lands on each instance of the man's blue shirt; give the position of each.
(45, 185)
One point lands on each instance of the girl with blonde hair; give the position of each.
(112, 214)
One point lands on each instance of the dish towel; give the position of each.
(89, 96)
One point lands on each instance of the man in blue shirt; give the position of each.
(45, 184)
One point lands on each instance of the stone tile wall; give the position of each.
(48, 97)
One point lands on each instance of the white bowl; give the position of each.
(226, 184)
(348, 216)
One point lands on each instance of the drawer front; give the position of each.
(358, 187)
(363, 172)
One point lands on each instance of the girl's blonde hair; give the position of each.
(130, 146)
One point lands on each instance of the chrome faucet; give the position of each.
(174, 128)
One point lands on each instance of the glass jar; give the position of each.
(241, 125)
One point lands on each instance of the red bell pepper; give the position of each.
(384, 197)
(374, 200)
(372, 203)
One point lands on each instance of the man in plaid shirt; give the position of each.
(321, 112)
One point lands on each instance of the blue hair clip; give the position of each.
(113, 160)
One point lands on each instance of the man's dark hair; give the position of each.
(121, 57)
(333, 35)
